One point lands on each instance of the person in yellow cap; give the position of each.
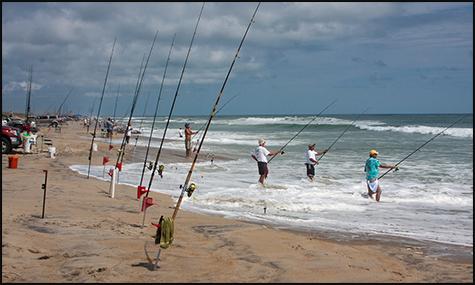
(371, 168)
(260, 156)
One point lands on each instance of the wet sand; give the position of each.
(86, 236)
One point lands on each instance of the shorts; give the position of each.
(262, 166)
(372, 185)
(187, 144)
(310, 169)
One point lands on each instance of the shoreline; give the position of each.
(439, 249)
(87, 236)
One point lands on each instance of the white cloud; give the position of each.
(23, 86)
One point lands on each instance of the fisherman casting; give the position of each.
(260, 156)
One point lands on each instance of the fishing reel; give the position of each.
(190, 189)
(161, 167)
(158, 233)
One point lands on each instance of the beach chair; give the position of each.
(33, 142)
(46, 141)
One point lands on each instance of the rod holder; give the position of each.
(43, 186)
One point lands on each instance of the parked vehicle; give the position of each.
(49, 120)
(10, 139)
(20, 124)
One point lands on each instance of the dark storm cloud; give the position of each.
(68, 44)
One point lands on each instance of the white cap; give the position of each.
(262, 141)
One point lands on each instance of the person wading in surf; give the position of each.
(260, 155)
(371, 168)
(311, 160)
(188, 134)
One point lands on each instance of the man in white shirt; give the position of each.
(128, 133)
(311, 160)
(260, 155)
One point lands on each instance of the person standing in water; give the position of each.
(180, 132)
(260, 156)
(371, 168)
(128, 133)
(311, 160)
(188, 134)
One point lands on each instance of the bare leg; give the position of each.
(262, 178)
(378, 193)
(370, 193)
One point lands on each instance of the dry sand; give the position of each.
(86, 236)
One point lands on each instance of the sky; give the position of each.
(395, 58)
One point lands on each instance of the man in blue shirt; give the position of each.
(371, 168)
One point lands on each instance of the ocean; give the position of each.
(429, 199)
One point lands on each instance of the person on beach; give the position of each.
(188, 134)
(260, 156)
(311, 160)
(25, 137)
(128, 133)
(180, 132)
(109, 126)
(371, 168)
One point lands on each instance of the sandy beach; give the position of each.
(86, 236)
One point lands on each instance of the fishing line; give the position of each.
(172, 106)
(190, 188)
(156, 110)
(395, 166)
(143, 117)
(99, 109)
(121, 154)
(113, 115)
(202, 126)
(346, 129)
(318, 115)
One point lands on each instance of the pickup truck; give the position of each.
(10, 139)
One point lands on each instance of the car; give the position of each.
(20, 124)
(10, 139)
(49, 120)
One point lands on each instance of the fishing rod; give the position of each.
(120, 157)
(192, 186)
(156, 111)
(28, 97)
(202, 126)
(90, 114)
(395, 166)
(64, 101)
(282, 148)
(134, 100)
(113, 116)
(346, 129)
(143, 116)
(99, 109)
(172, 106)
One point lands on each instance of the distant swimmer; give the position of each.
(260, 155)
(371, 168)
(180, 132)
(311, 160)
